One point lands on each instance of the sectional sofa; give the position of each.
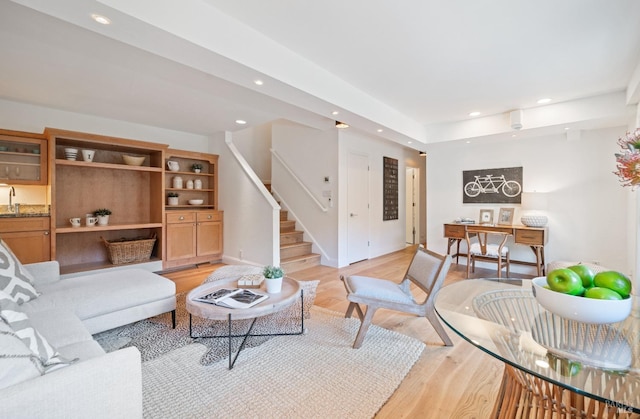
(50, 366)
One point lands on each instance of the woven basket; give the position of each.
(129, 250)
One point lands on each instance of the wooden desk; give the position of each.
(534, 237)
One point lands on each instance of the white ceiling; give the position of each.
(409, 68)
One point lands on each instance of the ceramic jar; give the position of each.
(197, 184)
(177, 182)
(189, 184)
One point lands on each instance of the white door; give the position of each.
(358, 207)
(412, 205)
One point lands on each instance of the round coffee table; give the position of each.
(290, 292)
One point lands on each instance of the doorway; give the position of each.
(412, 205)
(357, 207)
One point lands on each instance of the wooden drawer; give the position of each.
(18, 224)
(454, 231)
(531, 237)
(181, 217)
(209, 216)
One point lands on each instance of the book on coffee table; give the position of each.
(233, 298)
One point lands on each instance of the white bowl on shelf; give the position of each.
(133, 160)
(196, 201)
(581, 309)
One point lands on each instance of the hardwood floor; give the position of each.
(446, 382)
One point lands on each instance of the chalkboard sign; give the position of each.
(390, 189)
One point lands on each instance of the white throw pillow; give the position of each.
(22, 327)
(15, 280)
(17, 362)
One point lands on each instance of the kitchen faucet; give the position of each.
(12, 193)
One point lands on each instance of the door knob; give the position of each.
(353, 214)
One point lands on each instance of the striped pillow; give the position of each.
(22, 327)
(15, 280)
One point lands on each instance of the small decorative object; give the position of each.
(173, 166)
(103, 216)
(273, 278)
(172, 198)
(177, 182)
(197, 183)
(505, 216)
(196, 201)
(250, 281)
(71, 153)
(197, 167)
(486, 216)
(189, 184)
(87, 155)
(628, 159)
(133, 160)
(75, 222)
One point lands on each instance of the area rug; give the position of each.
(314, 375)
(155, 337)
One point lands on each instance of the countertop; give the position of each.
(25, 210)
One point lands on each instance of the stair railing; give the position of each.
(299, 181)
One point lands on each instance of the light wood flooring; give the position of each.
(446, 382)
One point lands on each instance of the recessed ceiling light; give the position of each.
(380, 130)
(335, 113)
(240, 121)
(513, 136)
(476, 113)
(409, 142)
(543, 101)
(101, 19)
(567, 128)
(468, 141)
(258, 82)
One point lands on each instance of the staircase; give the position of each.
(295, 254)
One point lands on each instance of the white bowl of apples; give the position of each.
(579, 295)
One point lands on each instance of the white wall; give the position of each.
(587, 206)
(311, 155)
(255, 146)
(384, 236)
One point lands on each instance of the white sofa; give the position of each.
(66, 313)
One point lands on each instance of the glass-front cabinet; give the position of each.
(23, 160)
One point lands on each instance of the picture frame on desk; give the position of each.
(486, 216)
(505, 216)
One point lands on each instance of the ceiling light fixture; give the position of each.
(476, 113)
(380, 130)
(423, 153)
(240, 121)
(101, 19)
(543, 101)
(341, 125)
(335, 113)
(258, 82)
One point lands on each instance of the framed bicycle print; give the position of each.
(505, 216)
(486, 216)
(492, 186)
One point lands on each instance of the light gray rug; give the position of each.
(315, 375)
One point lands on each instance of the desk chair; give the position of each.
(481, 249)
(427, 271)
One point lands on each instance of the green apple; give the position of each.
(566, 281)
(601, 293)
(614, 281)
(586, 274)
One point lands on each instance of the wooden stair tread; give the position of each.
(297, 244)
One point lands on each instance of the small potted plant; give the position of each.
(197, 167)
(103, 216)
(273, 278)
(172, 198)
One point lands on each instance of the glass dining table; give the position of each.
(554, 367)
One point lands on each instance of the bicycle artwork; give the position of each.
(492, 186)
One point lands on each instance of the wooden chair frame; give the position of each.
(428, 281)
(483, 236)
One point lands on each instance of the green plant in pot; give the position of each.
(172, 198)
(103, 216)
(273, 278)
(197, 167)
